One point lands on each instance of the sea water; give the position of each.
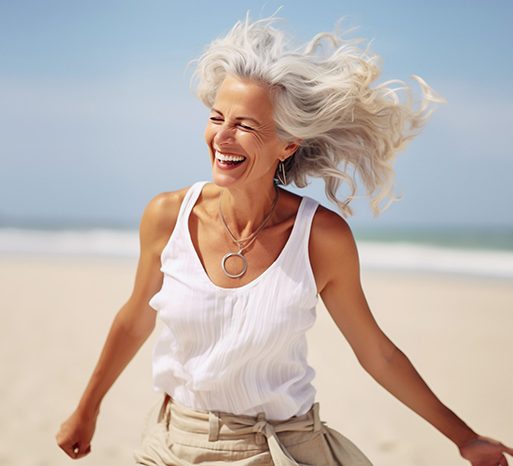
(458, 251)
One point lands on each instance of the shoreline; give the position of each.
(366, 267)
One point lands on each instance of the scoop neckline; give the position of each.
(253, 282)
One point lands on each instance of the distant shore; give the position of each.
(56, 311)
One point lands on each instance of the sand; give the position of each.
(55, 314)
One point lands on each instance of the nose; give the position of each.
(224, 135)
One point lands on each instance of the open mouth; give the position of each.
(229, 160)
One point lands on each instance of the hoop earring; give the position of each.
(281, 175)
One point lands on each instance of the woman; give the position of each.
(245, 261)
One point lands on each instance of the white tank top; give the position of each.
(239, 350)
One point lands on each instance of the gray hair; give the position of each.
(322, 96)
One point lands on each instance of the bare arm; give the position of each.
(345, 300)
(131, 327)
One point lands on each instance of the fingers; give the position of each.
(507, 450)
(503, 461)
(75, 451)
(80, 452)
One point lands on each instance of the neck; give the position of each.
(245, 209)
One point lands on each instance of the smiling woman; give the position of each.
(235, 267)
(241, 134)
(321, 95)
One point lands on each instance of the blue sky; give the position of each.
(96, 113)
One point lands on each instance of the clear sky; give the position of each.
(96, 113)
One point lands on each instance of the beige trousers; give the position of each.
(182, 437)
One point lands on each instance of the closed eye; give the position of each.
(215, 119)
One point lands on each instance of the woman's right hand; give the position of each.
(76, 433)
(131, 327)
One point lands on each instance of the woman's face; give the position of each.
(241, 128)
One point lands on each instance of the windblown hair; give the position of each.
(322, 95)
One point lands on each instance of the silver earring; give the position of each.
(282, 177)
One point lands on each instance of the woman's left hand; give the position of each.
(483, 451)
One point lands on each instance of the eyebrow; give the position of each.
(245, 118)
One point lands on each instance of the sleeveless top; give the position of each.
(237, 350)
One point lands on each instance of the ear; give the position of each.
(290, 149)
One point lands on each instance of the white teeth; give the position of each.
(229, 158)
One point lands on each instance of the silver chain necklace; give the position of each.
(240, 242)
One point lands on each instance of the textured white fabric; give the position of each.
(238, 350)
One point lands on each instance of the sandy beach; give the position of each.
(56, 312)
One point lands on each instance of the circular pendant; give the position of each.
(241, 257)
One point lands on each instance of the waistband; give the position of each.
(218, 425)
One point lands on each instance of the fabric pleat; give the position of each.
(186, 437)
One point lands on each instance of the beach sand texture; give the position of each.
(56, 312)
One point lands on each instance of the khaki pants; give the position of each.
(182, 437)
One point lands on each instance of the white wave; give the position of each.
(373, 255)
(96, 242)
(408, 256)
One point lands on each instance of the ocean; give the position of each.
(463, 251)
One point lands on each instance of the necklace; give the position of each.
(248, 240)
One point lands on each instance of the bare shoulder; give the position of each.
(159, 218)
(332, 246)
(157, 224)
(164, 207)
(330, 230)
